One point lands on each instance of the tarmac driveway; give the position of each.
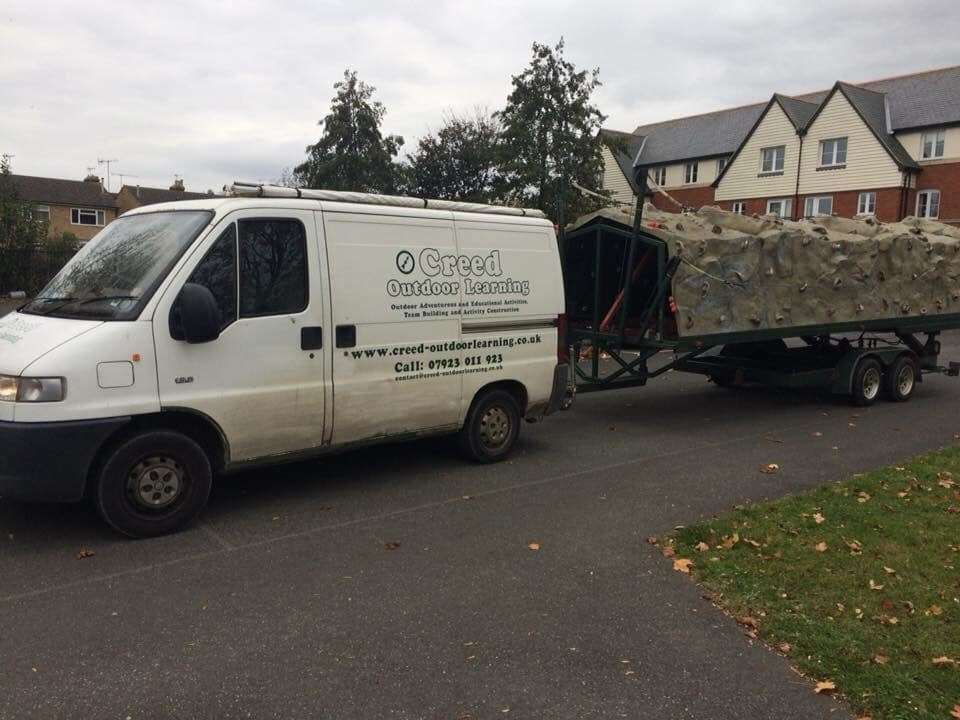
(398, 583)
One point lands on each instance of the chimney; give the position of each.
(91, 178)
(177, 185)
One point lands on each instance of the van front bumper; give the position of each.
(50, 462)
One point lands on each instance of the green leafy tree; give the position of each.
(458, 162)
(352, 153)
(20, 234)
(551, 136)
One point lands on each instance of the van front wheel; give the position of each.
(492, 426)
(153, 483)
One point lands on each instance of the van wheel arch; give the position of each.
(516, 389)
(199, 427)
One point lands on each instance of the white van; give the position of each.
(192, 338)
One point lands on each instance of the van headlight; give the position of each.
(24, 389)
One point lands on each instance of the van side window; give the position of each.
(218, 272)
(273, 267)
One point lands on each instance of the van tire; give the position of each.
(492, 427)
(153, 483)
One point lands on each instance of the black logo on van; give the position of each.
(405, 262)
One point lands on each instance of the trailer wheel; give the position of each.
(492, 426)
(153, 483)
(901, 379)
(867, 382)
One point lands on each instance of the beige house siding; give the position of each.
(741, 180)
(60, 221)
(614, 181)
(676, 174)
(911, 142)
(868, 165)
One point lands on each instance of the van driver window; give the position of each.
(273, 267)
(218, 272)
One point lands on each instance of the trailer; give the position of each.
(623, 328)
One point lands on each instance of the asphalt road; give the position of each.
(287, 600)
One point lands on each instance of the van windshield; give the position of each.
(113, 276)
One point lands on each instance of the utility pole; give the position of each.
(101, 161)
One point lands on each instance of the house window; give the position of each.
(771, 159)
(818, 206)
(739, 207)
(833, 152)
(781, 207)
(867, 203)
(690, 172)
(721, 164)
(932, 144)
(41, 213)
(928, 204)
(85, 216)
(660, 175)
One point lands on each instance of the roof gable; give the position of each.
(795, 111)
(624, 147)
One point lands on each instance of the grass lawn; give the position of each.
(856, 582)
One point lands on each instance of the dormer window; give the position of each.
(690, 172)
(833, 152)
(932, 144)
(660, 175)
(771, 159)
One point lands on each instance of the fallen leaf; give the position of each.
(84, 554)
(934, 610)
(752, 543)
(770, 468)
(702, 547)
(817, 433)
(824, 686)
(889, 570)
(785, 648)
(875, 586)
(881, 659)
(669, 552)
(534, 546)
(682, 565)
(818, 518)
(862, 496)
(855, 547)
(944, 660)
(729, 542)
(820, 546)
(391, 545)
(652, 540)
(955, 713)
(748, 621)
(945, 479)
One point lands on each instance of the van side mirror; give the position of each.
(199, 314)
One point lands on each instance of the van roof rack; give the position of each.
(242, 189)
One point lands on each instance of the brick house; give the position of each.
(887, 148)
(133, 196)
(81, 207)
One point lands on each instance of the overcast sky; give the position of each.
(217, 91)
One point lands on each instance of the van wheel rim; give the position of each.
(871, 383)
(905, 380)
(156, 483)
(494, 427)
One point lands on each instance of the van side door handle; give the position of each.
(311, 338)
(346, 336)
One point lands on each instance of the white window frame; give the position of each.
(786, 205)
(721, 164)
(660, 175)
(813, 206)
(778, 155)
(937, 140)
(739, 207)
(99, 216)
(691, 171)
(927, 205)
(836, 160)
(41, 210)
(867, 204)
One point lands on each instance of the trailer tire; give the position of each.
(900, 379)
(867, 382)
(492, 427)
(153, 483)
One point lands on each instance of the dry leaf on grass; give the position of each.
(875, 586)
(881, 659)
(668, 551)
(820, 546)
(935, 610)
(855, 547)
(534, 546)
(889, 570)
(862, 496)
(818, 518)
(824, 686)
(770, 468)
(729, 542)
(955, 713)
(785, 648)
(944, 660)
(682, 565)
(701, 546)
(945, 479)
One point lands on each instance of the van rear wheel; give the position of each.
(492, 426)
(153, 483)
